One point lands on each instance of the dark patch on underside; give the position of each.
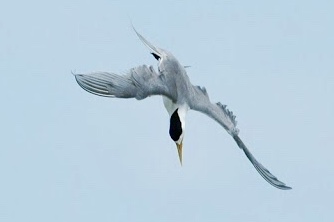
(175, 129)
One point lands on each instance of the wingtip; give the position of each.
(265, 173)
(284, 187)
(135, 30)
(73, 72)
(149, 45)
(133, 27)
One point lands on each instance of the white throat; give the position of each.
(171, 107)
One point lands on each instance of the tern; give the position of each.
(179, 96)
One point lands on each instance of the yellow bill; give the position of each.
(179, 150)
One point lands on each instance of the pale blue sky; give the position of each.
(67, 155)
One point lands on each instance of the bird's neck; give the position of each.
(171, 107)
(182, 112)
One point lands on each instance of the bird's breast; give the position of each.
(169, 105)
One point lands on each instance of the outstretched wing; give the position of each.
(200, 102)
(139, 83)
(260, 168)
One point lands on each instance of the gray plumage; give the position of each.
(172, 82)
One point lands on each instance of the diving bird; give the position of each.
(179, 96)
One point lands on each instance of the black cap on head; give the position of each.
(175, 128)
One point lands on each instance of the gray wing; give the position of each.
(140, 82)
(200, 102)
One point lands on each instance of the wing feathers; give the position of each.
(228, 113)
(219, 112)
(201, 102)
(139, 83)
(203, 90)
(92, 85)
(260, 168)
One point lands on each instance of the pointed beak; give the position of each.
(179, 150)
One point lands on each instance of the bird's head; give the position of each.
(176, 130)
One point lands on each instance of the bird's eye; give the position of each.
(156, 56)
